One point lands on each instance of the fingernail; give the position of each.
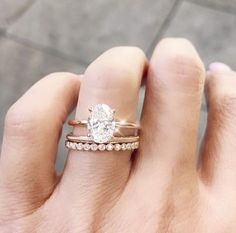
(218, 66)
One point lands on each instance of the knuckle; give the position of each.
(169, 40)
(224, 110)
(19, 120)
(220, 88)
(60, 74)
(185, 71)
(184, 65)
(132, 50)
(115, 67)
(225, 102)
(177, 60)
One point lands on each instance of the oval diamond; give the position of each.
(101, 123)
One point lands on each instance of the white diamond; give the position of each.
(86, 146)
(101, 147)
(123, 146)
(133, 146)
(94, 147)
(79, 146)
(101, 123)
(136, 145)
(117, 147)
(109, 147)
(128, 146)
(73, 145)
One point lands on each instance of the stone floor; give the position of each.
(38, 37)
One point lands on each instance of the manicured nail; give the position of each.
(218, 66)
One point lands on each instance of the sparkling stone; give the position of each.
(136, 145)
(101, 123)
(128, 146)
(109, 147)
(94, 147)
(117, 147)
(123, 146)
(73, 145)
(133, 145)
(86, 146)
(101, 147)
(67, 144)
(79, 146)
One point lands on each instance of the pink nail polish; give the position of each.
(218, 66)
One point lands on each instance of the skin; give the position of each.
(160, 189)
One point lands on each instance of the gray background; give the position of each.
(38, 37)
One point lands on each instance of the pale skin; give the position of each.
(161, 189)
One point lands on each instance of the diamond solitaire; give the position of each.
(101, 123)
(104, 131)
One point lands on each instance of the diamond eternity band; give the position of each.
(101, 147)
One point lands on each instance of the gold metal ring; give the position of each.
(88, 139)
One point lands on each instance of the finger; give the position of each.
(32, 129)
(171, 114)
(113, 79)
(218, 162)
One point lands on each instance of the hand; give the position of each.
(159, 189)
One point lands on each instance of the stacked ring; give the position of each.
(102, 128)
(101, 147)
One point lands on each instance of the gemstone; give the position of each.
(133, 146)
(101, 147)
(94, 147)
(123, 146)
(86, 146)
(73, 145)
(109, 147)
(128, 146)
(136, 145)
(101, 123)
(79, 146)
(117, 147)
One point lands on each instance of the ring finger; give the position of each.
(113, 79)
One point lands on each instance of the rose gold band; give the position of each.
(80, 146)
(127, 139)
(119, 124)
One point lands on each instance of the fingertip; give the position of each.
(218, 66)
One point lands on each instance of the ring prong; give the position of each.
(90, 109)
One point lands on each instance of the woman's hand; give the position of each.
(159, 189)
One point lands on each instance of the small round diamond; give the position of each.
(67, 144)
(86, 146)
(73, 145)
(94, 147)
(101, 147)
(123, 146)
(128, 146)
(136, 145)
(133, 146)
(117, 147)
(79, 146)
(109, 147)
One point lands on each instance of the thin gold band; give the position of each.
(119, 124)
(87, 139)
(80, 146)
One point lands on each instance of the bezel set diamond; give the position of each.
(101, 147)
